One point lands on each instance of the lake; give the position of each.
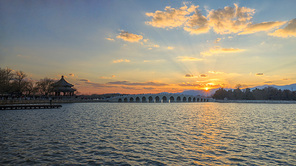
(150, 134)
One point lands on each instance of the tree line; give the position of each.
(268, 93)
(16, 83)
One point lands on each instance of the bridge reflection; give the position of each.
(159, 98)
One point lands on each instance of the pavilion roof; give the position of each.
(62, 83)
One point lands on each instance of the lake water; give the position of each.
(150, 134)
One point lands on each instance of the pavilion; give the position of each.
(62, 86)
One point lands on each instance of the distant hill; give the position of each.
(291, 87)
(199, 92)
(209, 93)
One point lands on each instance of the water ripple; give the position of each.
(150, 134)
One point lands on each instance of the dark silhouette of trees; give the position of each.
(220, 94)
(16, 83)
(30, 88)
(45, 86)
(238, 94)
(6, 78)
(248, 95)
(19, 82)
(268, 93)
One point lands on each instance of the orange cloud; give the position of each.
(189, 84)
(216, 72)
(217, 50)
(110, 39)
(170, 17)
(223, 21)
(121, 60)
(138, 83)
(186, 58)
(264, 26)
(197, 23)
(230, 19)
(103, 77)
(153, 46)
(288, 31)
(126, 36)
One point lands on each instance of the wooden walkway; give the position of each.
(21, 107)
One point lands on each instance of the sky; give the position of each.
(133, 47)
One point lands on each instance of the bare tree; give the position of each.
(19, 82)
(30, 88)
(6, 78)
(45, 86)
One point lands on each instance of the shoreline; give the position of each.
(17, 102)
(61, 101)
(258, 101)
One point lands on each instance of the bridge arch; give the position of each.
(138, 99)
(172, 99)
(150, 99)
(144, 100)
(189, 99)
(194, 99)
(178, 99)
(157, 99)
(164, 99)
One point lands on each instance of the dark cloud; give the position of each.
(94, 84)
(126, 36)
(98, 85)
(188, 84)
(189, 75)
(259, 74)
(203, 75)
(84, 80)
(131, 88)
(149, 88)
(268, 82)
(137, 83)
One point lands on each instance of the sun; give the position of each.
(206, 88)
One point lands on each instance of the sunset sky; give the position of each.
(131, 46)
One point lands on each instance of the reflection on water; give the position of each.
(150, 134)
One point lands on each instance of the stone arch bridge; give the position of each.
(158, 98)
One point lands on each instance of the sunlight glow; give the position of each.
(159, 46)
